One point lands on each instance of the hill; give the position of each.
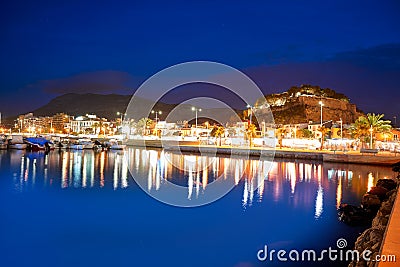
(302, 105)
(297, 105)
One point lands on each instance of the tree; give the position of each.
(306, 133)
(251, 133)
(96, 126)
(280, 133)
(323, 130)
(218, 131)
(142, 124)
(361, 128)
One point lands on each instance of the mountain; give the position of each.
(107, 106)
(297, 105)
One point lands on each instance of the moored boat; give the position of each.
(3, 142)
(17, 142)
(115, 145)
(39, 144)
(76, 146)
(86, 143)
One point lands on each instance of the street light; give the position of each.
(196, 110)
(156, 112)
(341, 130)
(121, 114)
(395, 121)
(321, 104)
(251, 111)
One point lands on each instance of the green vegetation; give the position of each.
(361, 128)
(251, 133)
(306, 133)
(218, 131)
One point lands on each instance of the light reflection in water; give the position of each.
(86, 169)
(370, 181)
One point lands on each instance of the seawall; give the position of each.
(384, 159)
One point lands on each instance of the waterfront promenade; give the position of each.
(355, 157)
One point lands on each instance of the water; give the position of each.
(84, 209)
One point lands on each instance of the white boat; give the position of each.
(17, 146)
(115, 145)
(86, 143)
(76, 146)
(3, 142)
(17, 142)
(3, 145)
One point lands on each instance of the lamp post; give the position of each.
(341, 129)
(251, 112)
(321, 104)
(196, 110)
(121, 114)
(370, 141)
(156, 112)
(395, 121)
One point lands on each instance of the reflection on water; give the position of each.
(88, 169)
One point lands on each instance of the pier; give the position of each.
(354, 157)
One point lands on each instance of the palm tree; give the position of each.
(218, 131)
(142, 124)
(96, 125)
(323, 130)
(280, 133)
(362, 127)
(250, 133)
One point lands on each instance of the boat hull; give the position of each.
(76, 147)
(17, 146)
(117, 147)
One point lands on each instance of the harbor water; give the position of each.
(83, 208)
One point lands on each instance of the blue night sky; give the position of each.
(49, 48)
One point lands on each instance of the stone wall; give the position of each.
(372, 238)
(303, 109)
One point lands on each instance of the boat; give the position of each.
(3, 142)
(76, 146)
(3, 146)
(115, 145)
(86, 143)
(39, 144)
(17, 142)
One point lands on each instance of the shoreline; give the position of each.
(353, 157)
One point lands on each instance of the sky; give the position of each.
(50, 48)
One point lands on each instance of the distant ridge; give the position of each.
(296, 105)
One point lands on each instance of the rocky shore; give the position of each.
(383, 194)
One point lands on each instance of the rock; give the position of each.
(376, 235)
(390, 193)
(386, 208)
(388, 184)
(369, 200)
(378, 191)
(380, 221)
(353, 215)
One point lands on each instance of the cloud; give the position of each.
(91, 82)
(384, 57)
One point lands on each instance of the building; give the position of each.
(90, 124)
(60, 122)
